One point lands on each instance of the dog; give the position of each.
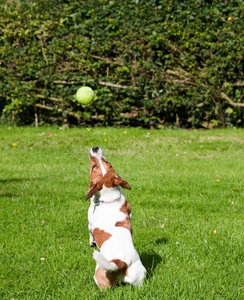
(110, 227)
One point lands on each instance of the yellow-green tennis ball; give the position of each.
(85, 95)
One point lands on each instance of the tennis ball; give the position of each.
(84, 95)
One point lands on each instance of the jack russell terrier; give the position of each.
(110, 227)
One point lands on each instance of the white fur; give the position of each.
(102, 167)
(103, 262)
(120, 245)
(99, 155)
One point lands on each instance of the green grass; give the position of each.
(187, 212)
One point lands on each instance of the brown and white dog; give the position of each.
(110, 227)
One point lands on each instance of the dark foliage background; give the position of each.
(151, 63)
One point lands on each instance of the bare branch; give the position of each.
(47, 107)
(239, 84)
(36, 118)
(224, 96)
(66, 82)
(59, 110)
(179, 72)
(42, 47)
(49, 98)
(114, 85)
(107, 60)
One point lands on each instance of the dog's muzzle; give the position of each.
(96, 152)
(95, 149)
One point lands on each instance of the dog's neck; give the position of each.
(108, 195)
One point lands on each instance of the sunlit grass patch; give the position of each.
(187, 211)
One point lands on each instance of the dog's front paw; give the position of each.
(93, 244)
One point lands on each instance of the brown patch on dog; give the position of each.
(108, 179)
(118, 181)
(97, 180)
(117, 276)
(107, 165)
(96, 173)
(100, 236)
(126, 208)
(106, 279)
(101, 278)
(122, 266)
(93, 189)
(126, 224)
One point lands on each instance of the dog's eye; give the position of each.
(94, 166)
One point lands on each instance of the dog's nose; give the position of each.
(95, 149)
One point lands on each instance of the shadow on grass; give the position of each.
(15, 180)
(9, 180)
(161, 241)
(150, 261)
(7, 195)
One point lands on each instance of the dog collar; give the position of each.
(97, 202)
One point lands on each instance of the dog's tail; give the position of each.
(114, 265)
(103, 262)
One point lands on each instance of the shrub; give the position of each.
(174, 63)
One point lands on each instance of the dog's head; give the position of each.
(102, 174)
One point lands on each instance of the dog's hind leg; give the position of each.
(135, 274)
(101, 279)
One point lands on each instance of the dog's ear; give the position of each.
(93, 188)
(118, 181)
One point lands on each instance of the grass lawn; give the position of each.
(187, 202)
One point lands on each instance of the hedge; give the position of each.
(151, 63)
